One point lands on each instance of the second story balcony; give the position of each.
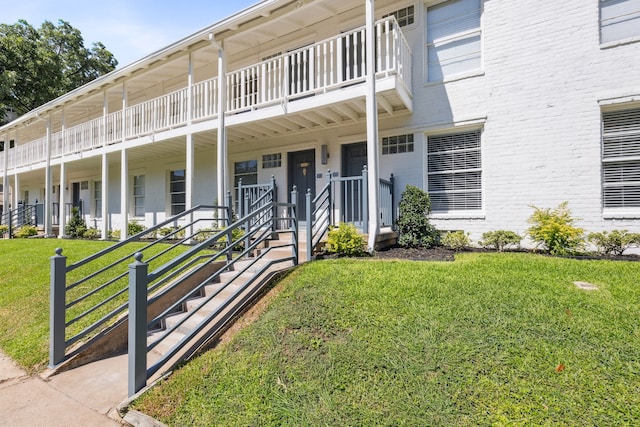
(321, 85)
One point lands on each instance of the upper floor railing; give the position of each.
(318, 68)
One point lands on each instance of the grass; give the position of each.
(491, 339)
(24, 291)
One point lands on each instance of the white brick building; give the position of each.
(491, 106)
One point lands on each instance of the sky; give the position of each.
(130, 29)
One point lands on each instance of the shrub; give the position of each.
(614, 242)
(4, 229)
(500, 239)
(76, 225)
(26, 231)
(555, 230)
(134, 228)
(456, 240)
(345, 240)
(114, 234)
(413, 224)
(91, 233)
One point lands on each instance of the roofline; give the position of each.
(231, 22)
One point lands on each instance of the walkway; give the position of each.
(85, 396)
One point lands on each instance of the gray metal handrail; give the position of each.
(104, 286)
(254, 235)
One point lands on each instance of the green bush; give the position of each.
(76, 225)
(414, 229)
(134, 228)
(91, 233)
(345, 240)
(4, 229)
(554, 230)
(26, 231)
(456, 240)
(614, 242)
(114, 234)
(500, 239)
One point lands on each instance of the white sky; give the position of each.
(130, 29)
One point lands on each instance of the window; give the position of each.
(619, 19)
(455, 172)
(97, 199)
(271, 161)
(247, 170)
(84, 185)
(177, 190)
(138, 195)
(404, 16)
(453, 38)
(621, 159)
(397, 144)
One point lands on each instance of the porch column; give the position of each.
(124, 171)
(372, 129)
(5, 176)
(16, 190)
(63, 200)
(124, 193)
(48, 184)
(104, 230)
(222, 131)
(189, 172)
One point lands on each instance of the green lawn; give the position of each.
(490, 339)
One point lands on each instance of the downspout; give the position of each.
(373, 165)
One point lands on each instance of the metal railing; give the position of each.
(89, 295)
(250, 198)
(322, 67)
(141, 282)
(22, 216)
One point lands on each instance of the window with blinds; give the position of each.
(453, 38)
(621, 158)
(454, 172)
(619, 20)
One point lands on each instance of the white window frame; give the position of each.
(139, 198)
(97, 199)
(456, 213)
(609, 24)
(450, 39)
(629, 130)
(175, 193)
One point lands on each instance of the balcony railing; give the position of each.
(319, 68)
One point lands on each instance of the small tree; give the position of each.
(76, 225)
(413, 224)
(555, 230)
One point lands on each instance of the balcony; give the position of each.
(319, 86)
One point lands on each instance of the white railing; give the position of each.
(321, 67)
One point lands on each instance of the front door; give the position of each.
(302, 174)
(354, 159)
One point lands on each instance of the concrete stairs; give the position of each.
(203, 318)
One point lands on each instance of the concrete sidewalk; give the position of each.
(85, 396)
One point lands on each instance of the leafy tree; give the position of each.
(38, 65)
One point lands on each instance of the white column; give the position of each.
(124, 192)
(48, 184)
(373, 165)
(62, 221)
(222, 131)
(124, 172)
(104, 230)
(189, 172)
(5, 176)
(190, 91)
(16, 190)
